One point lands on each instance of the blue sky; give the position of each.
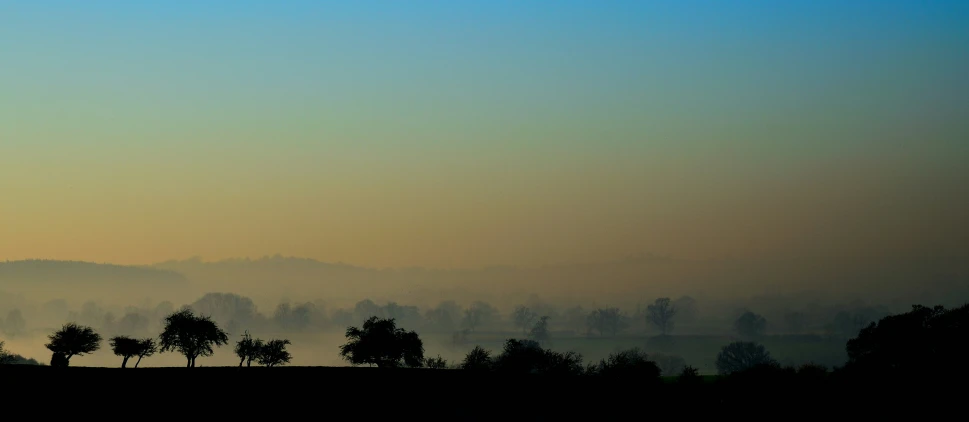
(595, 101)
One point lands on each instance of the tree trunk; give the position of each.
(249, 363)
(193, 361)
(125, 361)
(188, 363)
(139, 361)
(241, 361)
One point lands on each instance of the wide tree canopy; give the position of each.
(924, 340)
(379, 342)
(191, 335)
(72, 340)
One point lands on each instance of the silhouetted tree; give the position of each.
(274, 353)
(689, 375)
(540, 332)
(73, 340)
(146, 348)
(607, 321)
(559, 364)
(750, 325)
(248, 349)
(922, 341)
(381, 343)
(5, 356)
(528, 357)
(58, 360)
(126, 347)
(191, 335)
(631, 363)
(435, 363)
(660, 314)
(523, 318)
(478, 359)
(520, 356)
(742, 355)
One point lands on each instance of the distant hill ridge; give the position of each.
(56, 271)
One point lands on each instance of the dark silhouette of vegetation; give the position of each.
(59, 360)
(146, 348)
(631, 363)
(922, 341)
(436, 363)
(381, 343)
(191, 335)
(274, 353)
(478, 359)
(750, 325)
(528, 357)
(5, 356)
(248, 349)
(740, 356)
(126, 347)
(72, 340)
(661, 314)
(689, 376)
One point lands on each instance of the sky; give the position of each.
(466, 134)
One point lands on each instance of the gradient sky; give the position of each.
(455, 134)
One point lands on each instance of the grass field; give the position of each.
(233, 393)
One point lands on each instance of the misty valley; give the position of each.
(676, 342)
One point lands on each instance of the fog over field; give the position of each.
(811, 308)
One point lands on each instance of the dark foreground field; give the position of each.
(328, 392)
